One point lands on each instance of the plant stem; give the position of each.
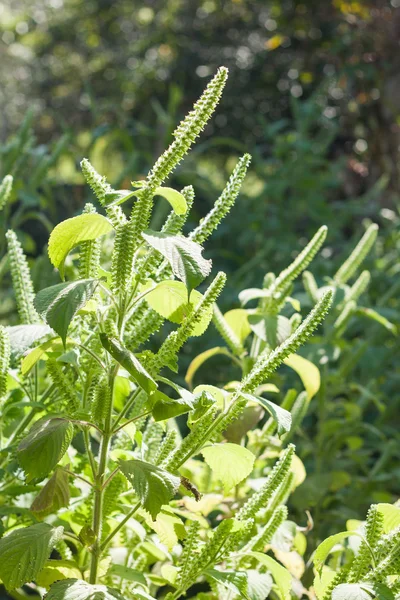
(119, 526)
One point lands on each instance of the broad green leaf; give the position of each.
(361, 591)
(230, 463)
(168, 527)
(326, 546)
(274, 329)
(44, 446)
(281, 576)
(72, 232)
(153, 485)
(22, 337)
(322, 581)
(237, 320)
(235, 581)
(59, 303)
(56, 570)
(200, 359)
(77, 589)
(167, 408)
(53, 495)
(53, 345)
(281, 416)
(391, 516)
(129, 361)
(24, 552)
(183, 255)
(259, 585)
(170, 300)
(307, 371)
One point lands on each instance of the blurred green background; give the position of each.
(313, 95)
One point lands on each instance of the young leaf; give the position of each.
(77, 589)
(129, 362)
(175, 198)
(153, 485)
(282, 577)
(282, 417)
(326, 546)
(168, 527)
(184, 256)
(23, 336)
(170, 300)
(24, 552)
(72, 232)
(44, 446)
(307, 371)
(56, 570)
(54, 495)
(59, 303)
(230, 463)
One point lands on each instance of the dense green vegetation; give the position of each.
(149, 444)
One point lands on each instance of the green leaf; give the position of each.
(230, 463)
(24, 552)
(238, 321)
(44, 446)
(170, 300)
(322, 581)
(129, 361)
(391, 516)
(326, 546)
(183, 255)
(56, 570)
(281, 416)
(361, 591)
(59, 303)
(235, 581)
(53, 345)
(259, 585)
(281, 576)
(274, 329)
(167, 408)
(71, 233)
(372, 314)
(153, 485)
(77, 589)
(307, 371)
(246, 296)
(175, 198)
(53, 495)
(23, 336)
(200, 359)
(168, 526)
(127, 573)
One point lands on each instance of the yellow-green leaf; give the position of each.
(307, 371)
(175, 198)
(72, 232)
(230, 463)
(237, 320)
(56, 570)
(200, 359)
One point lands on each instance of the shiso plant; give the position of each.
(116, 481)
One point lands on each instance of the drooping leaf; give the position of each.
(59, 303)
(326, 546)
(322, 581)
(44, 446)
(24, 552)
(22, 337)
(281, 416)
(170, 300)
(246, 296)
(53, 495)
(238, 321)
(281, 576)
(372, 314)
(230, 463)
(175, 198)
(72, 232)
(200, 359)
(153, 485)
(40, 352)
(129, 362)
(168, 527)
(184, 256)
(56, 570)
(274, 329)
(307, 371)
(77, 589)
